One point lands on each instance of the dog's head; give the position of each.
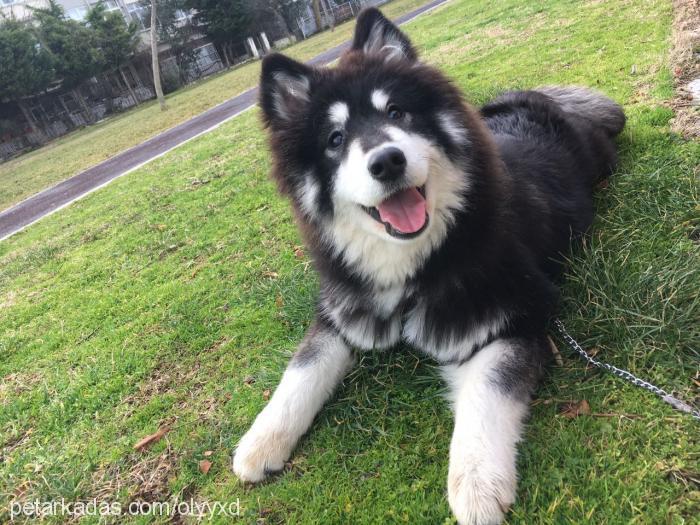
(375, 147)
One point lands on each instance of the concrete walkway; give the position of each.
(64, 193)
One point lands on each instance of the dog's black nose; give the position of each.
(387, 164)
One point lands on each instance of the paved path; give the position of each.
(64, 193)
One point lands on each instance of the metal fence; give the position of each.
(332, 15)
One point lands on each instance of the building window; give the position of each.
(77, 13)
(140, 15)
(207, 57)
(110, 5)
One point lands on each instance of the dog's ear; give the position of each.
(285, 89)
(376, 34)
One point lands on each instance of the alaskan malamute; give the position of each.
(433, 224)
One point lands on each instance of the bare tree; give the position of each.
(154, 58)
(317, 14)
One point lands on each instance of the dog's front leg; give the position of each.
(491, 394)
(319, 364)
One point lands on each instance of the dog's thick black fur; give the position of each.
(434, 224)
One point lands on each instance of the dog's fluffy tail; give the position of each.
(586, 103)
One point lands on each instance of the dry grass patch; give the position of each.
(475, 43)
(17, 383)
(8, 299)
(685, 64)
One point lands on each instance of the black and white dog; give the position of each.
(433, 224)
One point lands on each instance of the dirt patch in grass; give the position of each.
(149, 477)
(162, 380)
(7, 300)
(685, 65)
(16, 383)
(13, 443)
(644, 86)
(145, 477)
(475, 43)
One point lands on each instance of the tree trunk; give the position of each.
(147, 67)
(220, 52)
(224, 56)
(227, 52)
(154, 58)
(231, 54)
(128, 86)
(135, 74)
(282, 20)
(63, 105)
(330, 11)
(317, 14)
(30, 120)
(68, 121)
(81, 100)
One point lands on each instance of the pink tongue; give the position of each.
(404, 210)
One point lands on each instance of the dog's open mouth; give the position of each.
(403, 214)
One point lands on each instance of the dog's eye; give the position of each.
(336, 139)
(394, 112)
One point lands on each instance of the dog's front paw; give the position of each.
(258, 454)
(480, 493)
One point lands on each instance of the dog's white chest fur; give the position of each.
(388, 315)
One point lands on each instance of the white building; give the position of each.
(75, 9)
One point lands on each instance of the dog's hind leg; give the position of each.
(320, 363)
(491, 394)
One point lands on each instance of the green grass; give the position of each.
(73, 153)
(174, 296)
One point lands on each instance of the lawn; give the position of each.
(174, 296)
(73, 153)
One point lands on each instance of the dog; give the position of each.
(433, 224)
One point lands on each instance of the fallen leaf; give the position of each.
(573, 409)
(298, 252)
(207, 453)
(249, 380)
(279, 301)
(271, 275)
(266, 394)
(204, 466)
(21, 490)
(149, 440)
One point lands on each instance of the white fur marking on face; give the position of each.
(379, 99)
(363, 242)
(450, 125)
(353, 181)
(339, 112)
(481, 482)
